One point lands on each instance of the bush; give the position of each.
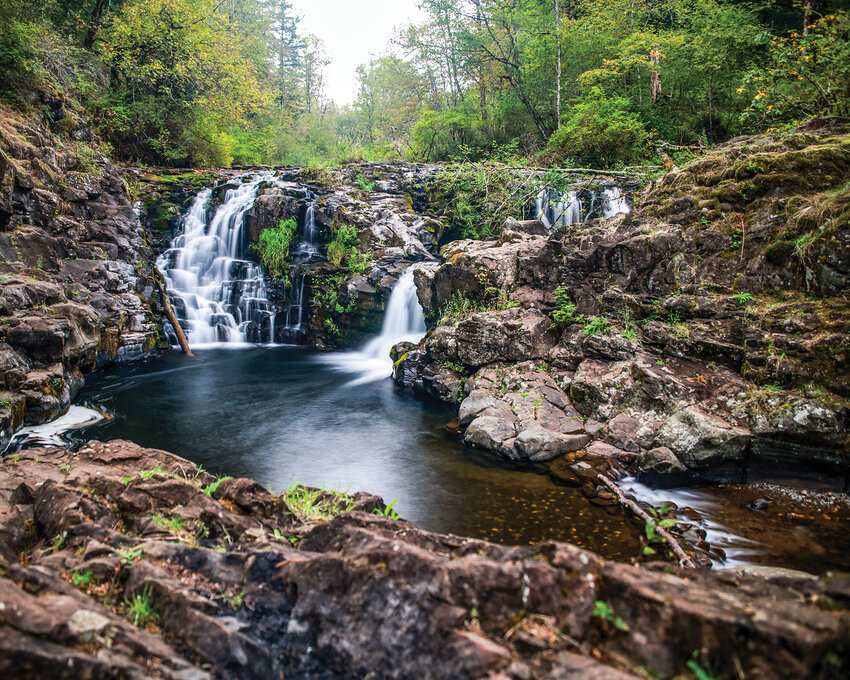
(344, 243)
(20, 63)
(600, 132)
(273, 246)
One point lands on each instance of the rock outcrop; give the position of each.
(75, 286)
(119, 561)
(686, 326)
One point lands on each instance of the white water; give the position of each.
(614, 202)
(404, 320)
(561, 210)
(218, 296)
(737, 548)
(50, 434)
(556, 210)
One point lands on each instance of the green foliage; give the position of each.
(20, 59)
(599, 131)
(388, 511)
(363, 183)
(596, 325)
(344, 243)
(129, 554)
(210, 489)
(477, 197)
(314, 504)
(564, 313)
(82, 578)
(235, 602)
(460, 306)
(605, 612)
(140, 609)
(272, 248)
(807, 75)
(744, 299)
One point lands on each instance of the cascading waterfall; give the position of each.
(404, 320)
(306, 252)
(614, 202)
(218, 296)
(557, 209)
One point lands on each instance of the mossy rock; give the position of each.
(779, 252)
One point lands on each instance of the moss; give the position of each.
(779, 252)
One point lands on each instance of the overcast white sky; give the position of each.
(352, 30)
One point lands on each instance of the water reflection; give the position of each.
(284, 414)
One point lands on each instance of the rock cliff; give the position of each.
(704, 333)
(75, 286)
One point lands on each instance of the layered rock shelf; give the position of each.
(120, 561)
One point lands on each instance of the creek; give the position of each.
(283, 413)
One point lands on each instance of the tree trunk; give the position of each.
(558, 39)
(169, 312)
(655, 76)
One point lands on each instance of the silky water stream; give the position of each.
(280, 414)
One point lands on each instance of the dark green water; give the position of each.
(282, 414)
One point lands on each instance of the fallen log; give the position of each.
(684, 559)
(169, 312)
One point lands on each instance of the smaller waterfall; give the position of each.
(308, 249)
(404, 320)
(614, 202)
(306, 252)
(558, 210)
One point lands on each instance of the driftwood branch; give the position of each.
(584, 171)
(169, 312)
(684, 559)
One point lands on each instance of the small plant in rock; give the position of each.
(147, 474)
(306, 502)
(235, 602)
(699, 672)
(81, 579)
(6, 404)
(744, 299)
(364, 183)
(140, 609)
(272, 249)
(388, 511)
(564, 313)
(605, 612)
(128, 554)
(596, 325)
(210, 489)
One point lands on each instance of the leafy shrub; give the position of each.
(272, 249)
(600, 132)
(19, 57)
(565, 309)
(344, 243)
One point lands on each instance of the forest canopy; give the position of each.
(590, 82)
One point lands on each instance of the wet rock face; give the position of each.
(235, 585)
(74, 279)
(670, 328)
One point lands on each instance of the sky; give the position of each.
(352, 30)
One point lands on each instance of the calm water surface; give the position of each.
(283, 414)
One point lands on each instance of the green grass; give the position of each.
(273, 246)
(140, 609)
(305, 502)
(81, 579)
(210, 489)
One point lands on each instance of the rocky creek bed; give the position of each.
(226, 580)
(701, 337)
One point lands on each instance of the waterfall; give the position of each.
(556, 209)
(404, 320)
(218, 296)
(306, 252)
(613, 202)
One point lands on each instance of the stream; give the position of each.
(282, 413)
